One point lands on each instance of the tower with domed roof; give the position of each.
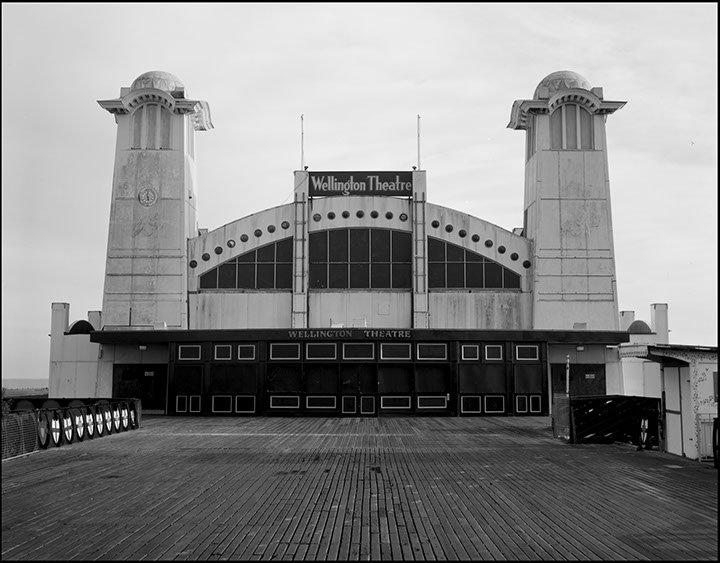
(153, 209)
(567, 213)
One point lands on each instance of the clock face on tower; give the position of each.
(147, 197)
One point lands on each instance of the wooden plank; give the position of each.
(353, 489)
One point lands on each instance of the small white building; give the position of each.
(685, 378)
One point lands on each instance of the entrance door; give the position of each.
(321, 388)
(358, 389)
(528, 390)
(234, 389)
(672, 406)
(483, 389)
(283, 389)
(187, 390)
(434, 393)
(147, 382)
(395, 388)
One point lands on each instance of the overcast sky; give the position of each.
(360, 74)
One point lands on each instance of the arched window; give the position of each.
(151, 124)
(267, 267)
(571, 128)
(360, 259)
(453, 267)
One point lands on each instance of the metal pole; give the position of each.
(418, 140)
(302, 144)
(567, 375)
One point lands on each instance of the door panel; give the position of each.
(358, 386)
(187, 389)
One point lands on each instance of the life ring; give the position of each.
(67, 426)
(43, 429)
(56, 430)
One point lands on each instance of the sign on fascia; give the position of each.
(360, 183)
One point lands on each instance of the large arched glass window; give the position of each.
(360, 259)
(453, 267)
(571, 128)
(268, 267)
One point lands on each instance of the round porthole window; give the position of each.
(231, 243)
(218, 250)
(206, 257)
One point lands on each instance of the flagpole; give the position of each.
(418, 140)
(302, 144)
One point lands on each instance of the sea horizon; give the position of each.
(24, 383)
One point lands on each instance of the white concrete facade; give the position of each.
(563, 258)
(153, 205)
(567, 203)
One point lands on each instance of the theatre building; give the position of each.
(360, 297)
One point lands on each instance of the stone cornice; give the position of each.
(575, 96)
(198, 109)
(522, 109)
(148, 95)
(113, 106)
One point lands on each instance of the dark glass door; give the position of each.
(147, 382)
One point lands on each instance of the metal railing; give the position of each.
(31, 429)
(607, 418)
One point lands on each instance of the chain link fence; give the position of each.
(19, 434)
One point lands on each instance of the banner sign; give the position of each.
(360, 183)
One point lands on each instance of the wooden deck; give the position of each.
(355, 489)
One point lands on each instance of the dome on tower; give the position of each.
(639, 327)
(561, 80)
(158, 79)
